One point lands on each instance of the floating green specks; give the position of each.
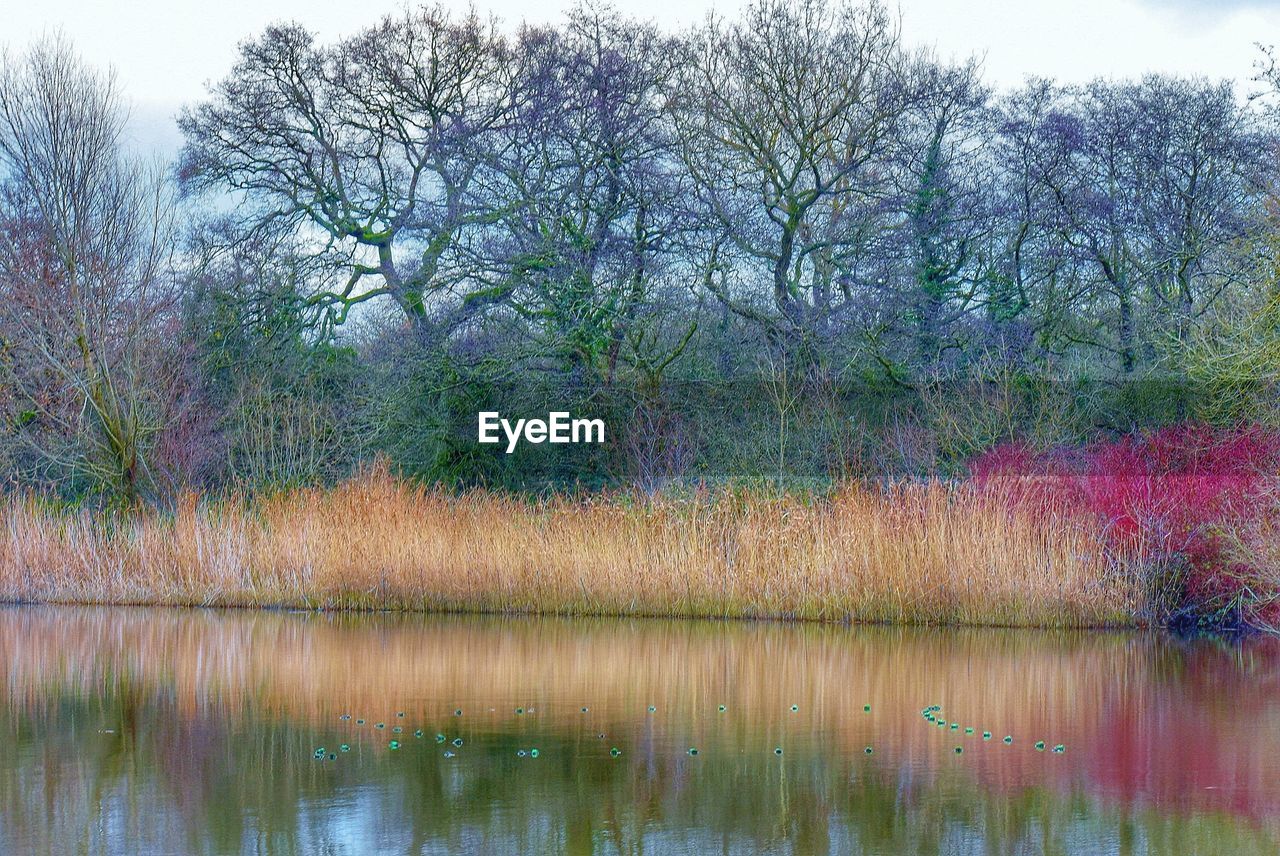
(867, 750)
(449, 754)
(1039, 745)
(344, 748)
(380, 725)
(519, 710)
(959, 750)
(693, 750)
(1059, 748)
(954, 726)
(332, 757)
(722, 708)
(584, 710)
(866, 708)
(458, 712)
(394, 744)
(942, 723)
(794, 708)
(652, 709)
(986, 735)
(968, 731)
(519, 753)
(396, 730)
(1008, 739)
(440, 738)
(417, 733)
(400, 713)
(457, 741)
(777, 750)
(319, 753)
(345, 717)
(359, 722)
(533, 753)
(615, 751)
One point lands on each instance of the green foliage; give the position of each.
(284, 400)
(420, 413)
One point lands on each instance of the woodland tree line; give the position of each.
(780, 245)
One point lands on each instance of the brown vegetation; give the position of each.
(920, 553)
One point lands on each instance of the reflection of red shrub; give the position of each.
(1171, 494)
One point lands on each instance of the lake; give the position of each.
(203, 731)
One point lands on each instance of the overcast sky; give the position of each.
(164, 51)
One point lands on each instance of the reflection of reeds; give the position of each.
(911, 553)
(1142, 718)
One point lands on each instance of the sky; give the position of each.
(165, 51)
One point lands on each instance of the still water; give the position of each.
(170, 731)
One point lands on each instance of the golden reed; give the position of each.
(912, 553)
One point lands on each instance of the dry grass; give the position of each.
(921, 553)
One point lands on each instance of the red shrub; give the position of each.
(1171, 494)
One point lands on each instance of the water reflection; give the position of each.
(196, 732)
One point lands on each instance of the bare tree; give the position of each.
(1150, 184)
(371, 145)
(85, 287)
(588, 188)
(782, 119)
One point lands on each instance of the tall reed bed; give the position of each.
(918, 553)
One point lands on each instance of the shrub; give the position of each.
(1187, 499)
